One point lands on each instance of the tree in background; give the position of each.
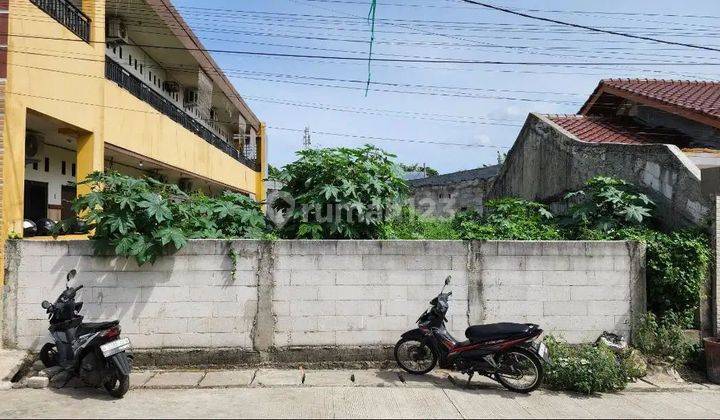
(416, 167)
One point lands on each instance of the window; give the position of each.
(130, 59)
(35, 166)
(47, 164)
(73, 170)
(141, 69)
(114, 50)
(120, 52)
(63, 167)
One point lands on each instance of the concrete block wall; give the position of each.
(191, 299)
(576, 290)
(349, 293)
(262, 295)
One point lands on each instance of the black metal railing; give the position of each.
(68, 14)
(116, 73)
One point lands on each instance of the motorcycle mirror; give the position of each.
(45, 304)
(447, 280)
(71, 275)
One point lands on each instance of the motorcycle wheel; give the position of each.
(49, 355)
(520, 370)
(118, 385)
(414, 356)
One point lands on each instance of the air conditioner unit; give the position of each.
(34, 146)
(117, 30)
(171, 87)
(191, 97)
(185, 184)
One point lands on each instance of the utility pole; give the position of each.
(307, 142)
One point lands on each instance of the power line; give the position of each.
(348, 135)
(589, 28)
(362, 137)
(389, 60)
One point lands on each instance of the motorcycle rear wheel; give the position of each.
(118, 386)
(520, 370)
(414, 356)
(49, 355)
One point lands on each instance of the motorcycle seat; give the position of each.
(89, 327)
(497, 331)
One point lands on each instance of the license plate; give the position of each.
(543, 352)
(115, 347)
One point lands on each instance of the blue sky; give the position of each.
(482, 105)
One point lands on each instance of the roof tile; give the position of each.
(697, 96)
(602, 130)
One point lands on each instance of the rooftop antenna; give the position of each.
(307, 142)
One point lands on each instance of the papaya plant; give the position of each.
(338, 193)
(144, 218)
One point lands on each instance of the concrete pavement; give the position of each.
(270, 393)
(355, 402)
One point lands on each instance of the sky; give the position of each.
(411, 107)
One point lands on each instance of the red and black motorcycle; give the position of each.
(506, 352)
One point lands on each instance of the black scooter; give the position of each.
(506, 352)
(93, 351)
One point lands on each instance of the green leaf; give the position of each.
(155, 207)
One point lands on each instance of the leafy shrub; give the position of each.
(606, 204)
(508, 219)
(230, 215)
(339, 193)
(677, 266)
(585, 368)
(662, 339)
(142, 218)
(410, 225)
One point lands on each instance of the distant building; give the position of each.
(445, 195)
(657, 134)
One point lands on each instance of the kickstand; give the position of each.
(471, 374)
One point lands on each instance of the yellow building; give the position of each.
(115, 84)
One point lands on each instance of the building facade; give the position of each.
(97, 85)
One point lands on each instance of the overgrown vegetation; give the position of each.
(339, 193)
(588, 368)
(143, 218)
(508, 219)
(408, 224)
(662, 339)
(606, 204)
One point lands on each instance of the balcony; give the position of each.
(68, 14)
(115, 72)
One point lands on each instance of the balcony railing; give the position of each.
(68, 14)
(115, 72)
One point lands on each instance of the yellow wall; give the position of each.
(66, 81)
(135, 126)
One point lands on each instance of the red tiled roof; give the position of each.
(695, 99)
(603, 130)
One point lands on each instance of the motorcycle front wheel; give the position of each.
(520, 370)
(414, 356)
(49, 355)
(118, 385)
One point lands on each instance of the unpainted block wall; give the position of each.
(327, 293)
(546, 162)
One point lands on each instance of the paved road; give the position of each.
(356, 402)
